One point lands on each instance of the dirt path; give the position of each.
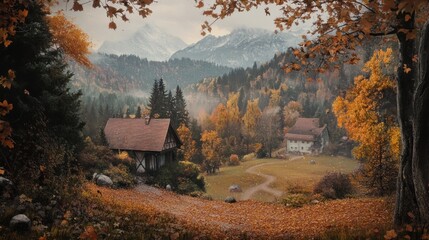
(265, 186)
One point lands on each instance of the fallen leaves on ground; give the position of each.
(251, 218)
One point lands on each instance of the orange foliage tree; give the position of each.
(71, 39)
(250, 121)
(188, 148)
(211, 149)
(368, 118)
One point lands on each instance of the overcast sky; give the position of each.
(176, 17)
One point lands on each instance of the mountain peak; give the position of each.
(241, 48)
(149, 42)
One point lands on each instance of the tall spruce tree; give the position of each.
(154, 103)
(162, 99)
(138, 112)
(45, 117)
(171, 109)
(182, 113)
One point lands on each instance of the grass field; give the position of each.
(297, 175)
(301, 174)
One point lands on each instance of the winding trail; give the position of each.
(265, 186)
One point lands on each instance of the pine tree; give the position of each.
(171, 109)
(138, 112)
(45, 118)
(154, 100)
(162, 99)
(182, 113)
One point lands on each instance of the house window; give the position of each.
(302, 148)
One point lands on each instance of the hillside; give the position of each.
(131, 74)
(241, 48)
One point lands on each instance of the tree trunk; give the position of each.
(420, 161)
(413, 113)
(405, 195)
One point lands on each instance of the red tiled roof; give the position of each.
(134, 134)
(305, 129)
(301, 137)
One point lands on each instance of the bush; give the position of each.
(334, 185)
(183, 177)
(120, 176)
(295, 188)
(295, 200)
(234, 160)
(260, 151)
(248, 157)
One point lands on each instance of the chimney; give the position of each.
(147, 119)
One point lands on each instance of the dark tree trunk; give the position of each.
(405, 197)
(413, 112)
(420, 164)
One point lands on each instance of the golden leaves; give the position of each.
(188, 148)
(70, 38)
(390, 235)
(406, 69)
(5, 107)
(6, 82)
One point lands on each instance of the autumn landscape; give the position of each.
(226, 119)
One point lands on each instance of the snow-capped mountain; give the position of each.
(241, 48)
(148, 42)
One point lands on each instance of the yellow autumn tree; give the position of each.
(219, 118)
(232, 109)
(250, 121)
(367, 112)
(291, 112)
(188, 148)
(211, 150)
(70, 38)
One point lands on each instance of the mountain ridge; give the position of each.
(241, 48)
(148, 42)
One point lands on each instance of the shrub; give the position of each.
(295, 188)
(183, 177)
(234, 160)
(120, 176)
(295, 200)
(334, 185)
(248, 157)
(260, 151)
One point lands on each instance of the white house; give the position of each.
(306, 137)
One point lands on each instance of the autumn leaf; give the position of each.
(112, 25)
(77, 6)
(2, 171)
(200, 4)
(96, 3)
(89, 234)
(406, 69)
(390, 235)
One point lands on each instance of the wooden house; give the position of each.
(306, 136)
(151, 142)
